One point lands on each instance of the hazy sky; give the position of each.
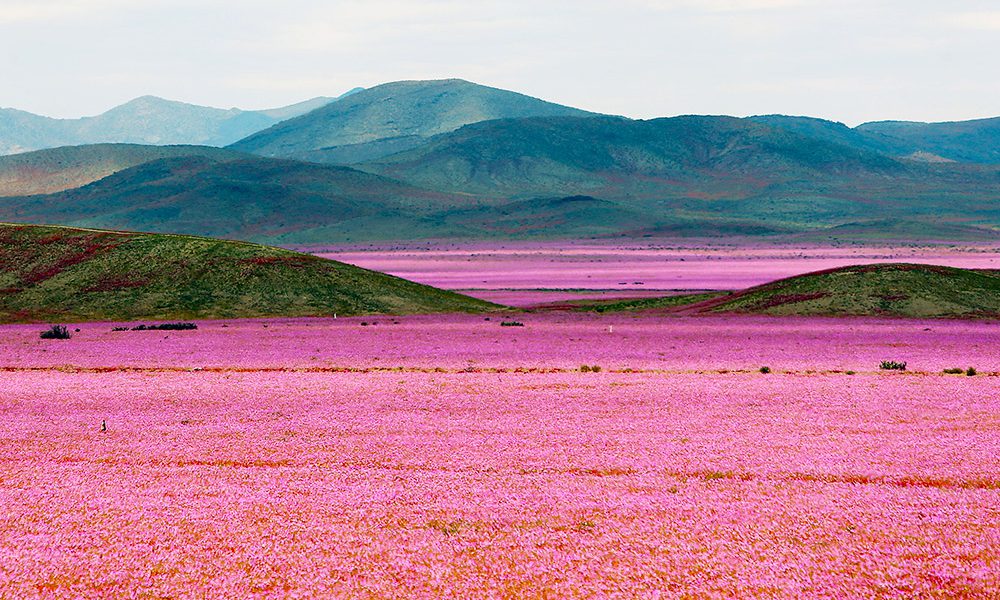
(849, 60)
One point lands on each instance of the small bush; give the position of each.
(891, 365)
(585, 368)
(595, 368)
(850, 372)
(765, 370)
(954, 371)
(511, 324)
(56, 332)
(971, 371)
(159, 327)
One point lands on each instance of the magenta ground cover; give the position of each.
(632, 267)
(447, 484)
(547, 340)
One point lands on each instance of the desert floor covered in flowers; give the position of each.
(450, 456)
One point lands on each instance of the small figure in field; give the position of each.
(104, 425)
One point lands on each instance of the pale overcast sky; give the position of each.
(849, 60)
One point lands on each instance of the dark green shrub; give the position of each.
(511, 324)
(971, 371)
(955, 371)
(160, 327)
(56, 332)
(891, 365)
(765, 370)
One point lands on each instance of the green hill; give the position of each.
(72, 275)
(59, 169)
(390, 118)
(249, 198)
(898, 290)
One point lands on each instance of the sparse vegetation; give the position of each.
(511, 324)
(891, 365)
(954, 371)
(160, 327)
(970, 372)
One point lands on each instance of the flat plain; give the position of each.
(451, 455)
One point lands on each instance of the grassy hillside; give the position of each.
(71, 275)
(59, 169)
(392, 117)
(903, 290)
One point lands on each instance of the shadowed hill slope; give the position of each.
(65, 274)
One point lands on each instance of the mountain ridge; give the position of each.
(144, 120)
(413, 110)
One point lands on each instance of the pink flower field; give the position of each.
(635, 267)
(451, 457)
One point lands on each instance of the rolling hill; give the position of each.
(249, 198)
(71, 275)
(145, 120)
(899, 290)
(390, 118)
(59, 169)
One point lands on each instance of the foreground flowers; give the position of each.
(235, 481)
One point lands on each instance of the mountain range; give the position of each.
(447, 159)
(145, 120)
